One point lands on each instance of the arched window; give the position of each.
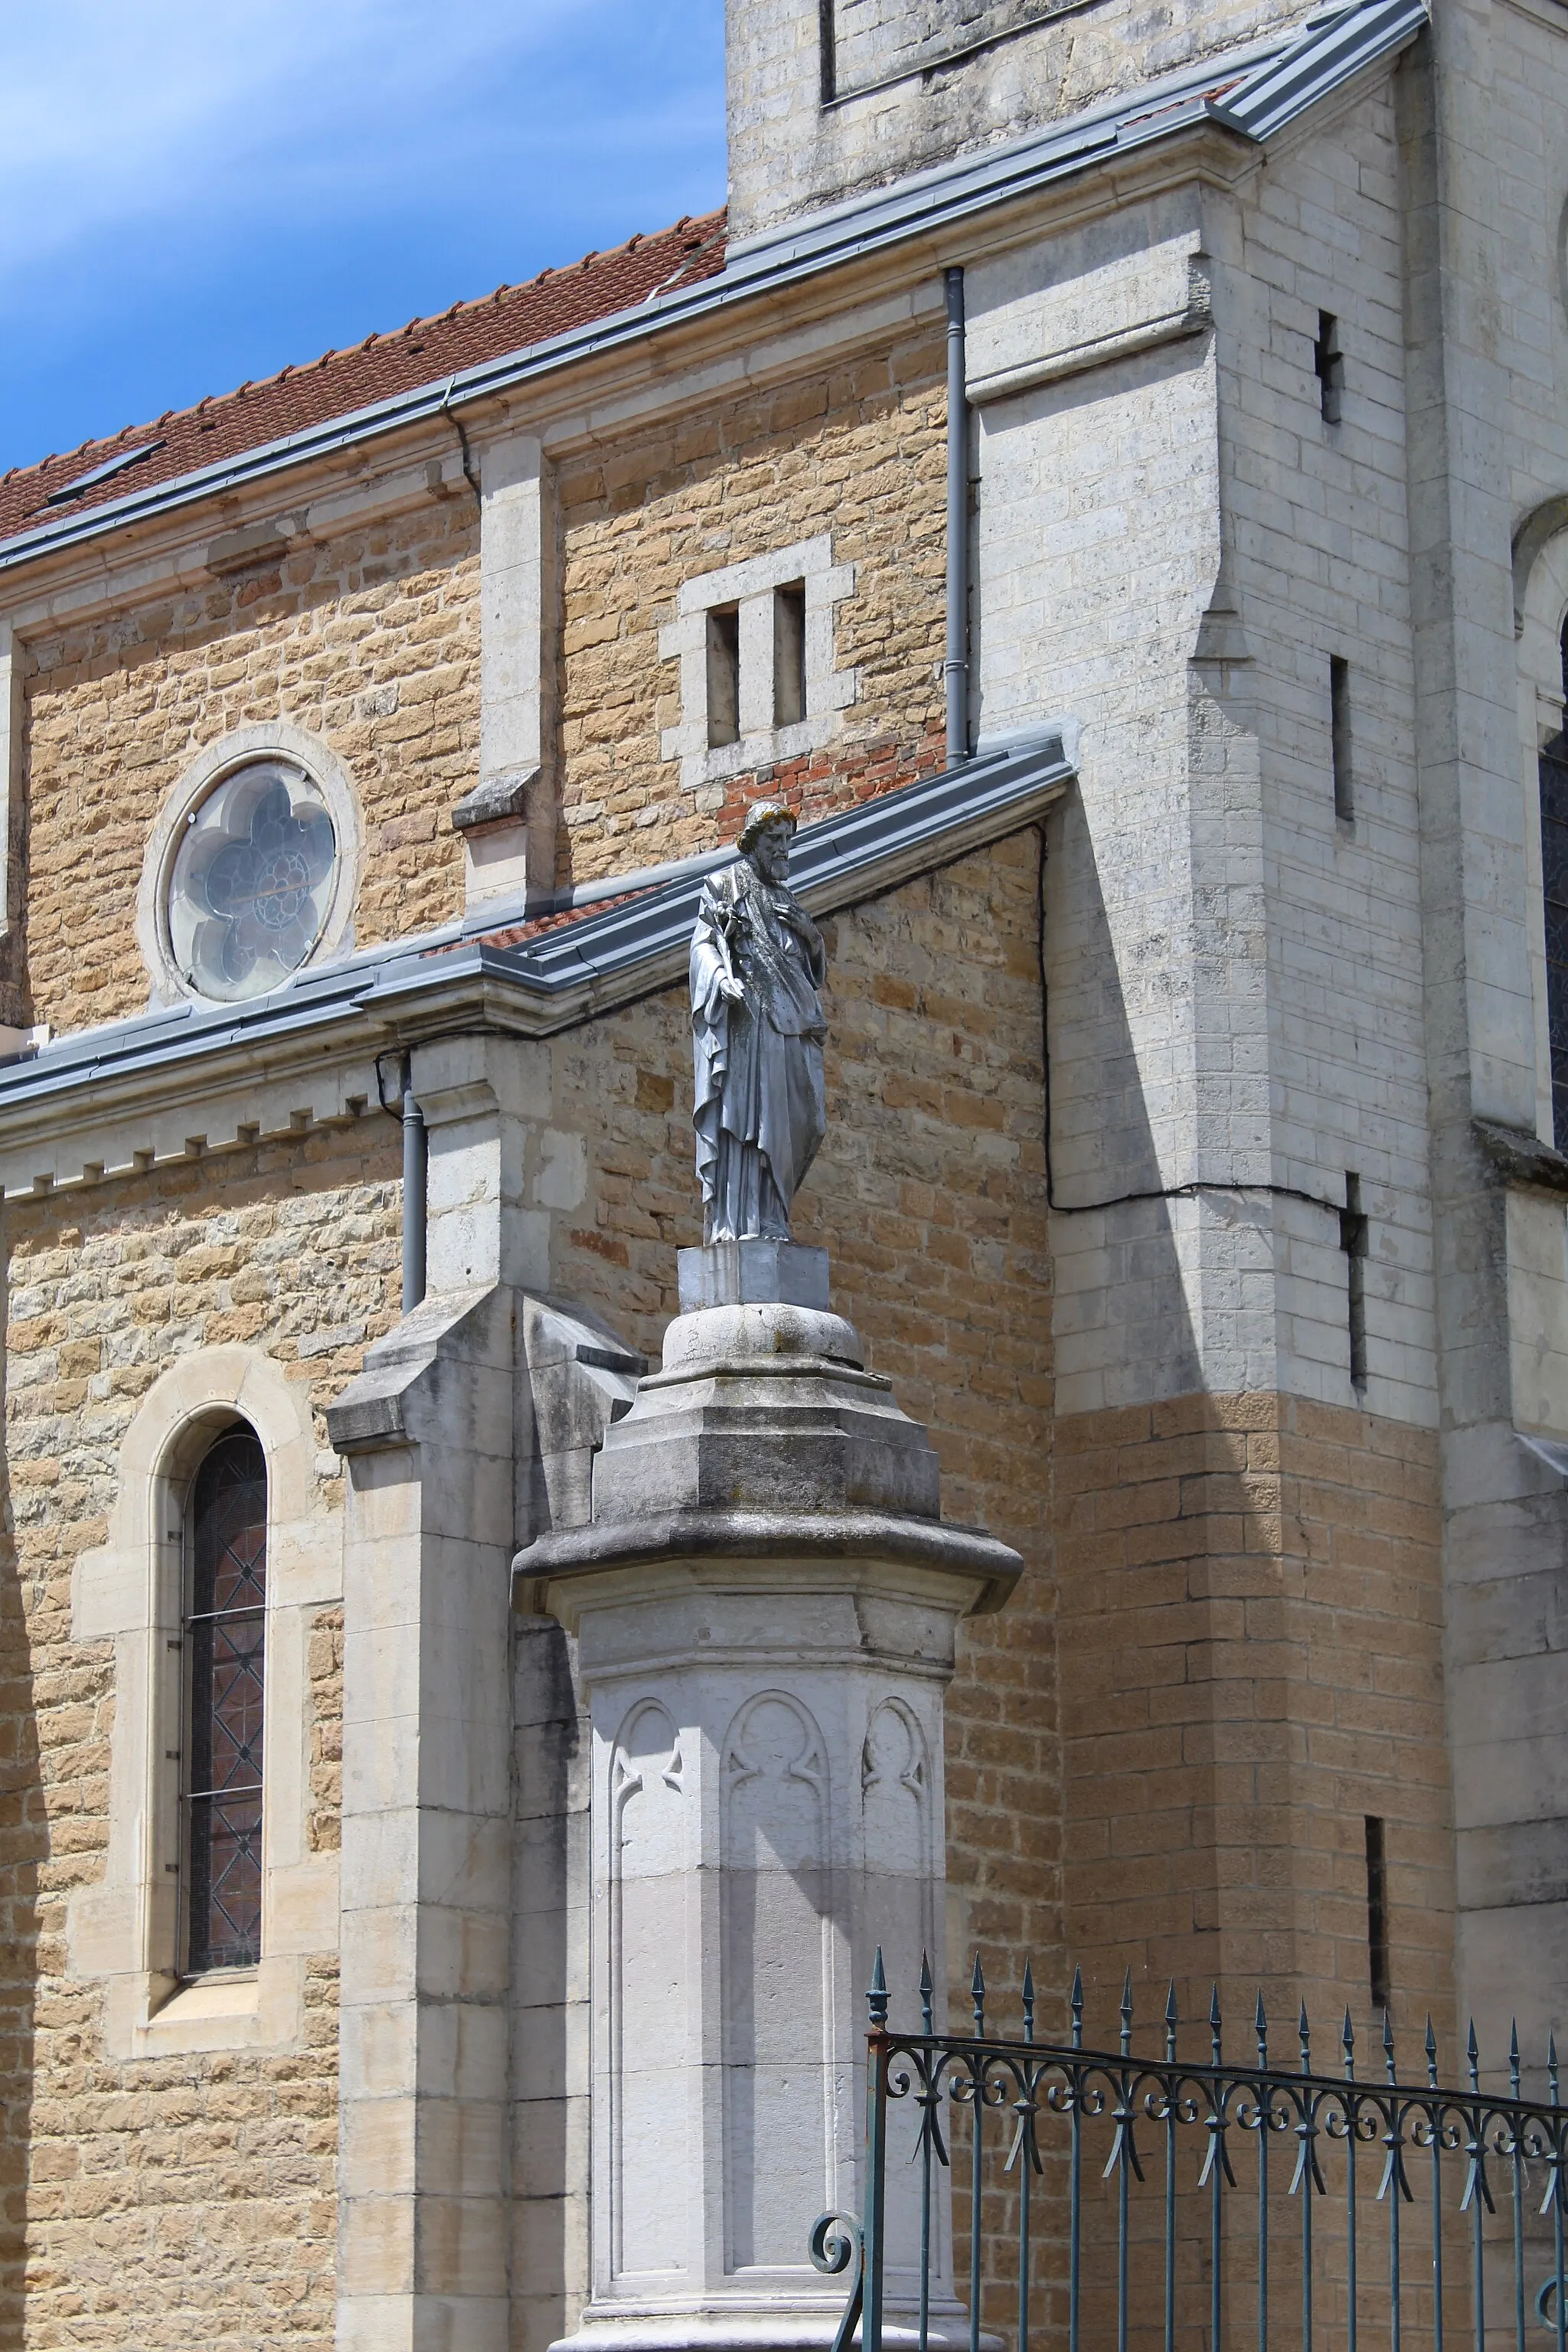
(225, 1656)
(1554, 892)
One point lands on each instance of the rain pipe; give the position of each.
(416, 1170)
(955, 667)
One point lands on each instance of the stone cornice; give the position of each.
(805, 1540)
(179, 1083)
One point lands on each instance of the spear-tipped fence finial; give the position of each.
(1260, 2028)
(1304, 2032)
(1388, 2045)
(1215, 2020)
(977, 1997)
(928, 1991)
(1513, 2058)
(878, 1996)
(1172, 2021)
(1127, 2015)
(1551, 2065)
(1028, 2001)
(1347, 2040)
(1431, 2055)
(1472, 2052)
(1077, 2009)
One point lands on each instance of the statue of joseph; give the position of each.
(757, 962)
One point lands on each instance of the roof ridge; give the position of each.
(211, 405)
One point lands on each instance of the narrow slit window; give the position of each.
(1328, 366)
(1377, 1912)
(1352, 1241)
(1340, 738)
(1553, 775)
(723, 676)
(225, 1653)
(789, 654)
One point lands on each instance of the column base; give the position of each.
(766, 2323)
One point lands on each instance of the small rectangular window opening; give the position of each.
(1378, 1911)
(1328, 366)
(1340, 738)
(1352, 1241)
(789, 654)
(723, 676)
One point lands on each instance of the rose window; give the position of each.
(252, 881)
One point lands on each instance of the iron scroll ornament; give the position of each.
(836, 2239)
(1444, 2160)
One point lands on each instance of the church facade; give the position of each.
(1106, 473)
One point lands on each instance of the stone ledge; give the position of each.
(673, 1537)
(393, 1400)
(497, 801)
(1520, 1157)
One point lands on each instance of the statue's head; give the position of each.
(765, 837)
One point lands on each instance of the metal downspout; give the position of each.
(955, 667)
(415, 1167)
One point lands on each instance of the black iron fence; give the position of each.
(1090, 2199)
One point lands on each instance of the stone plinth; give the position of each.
(765, 1606)
(754, 1273)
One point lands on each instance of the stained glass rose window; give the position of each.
(252, 881)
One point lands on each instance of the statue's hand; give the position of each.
(732, 989)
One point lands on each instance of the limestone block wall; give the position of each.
(1514, 1812)
(856, 452)
(1248, 1564)
(1318, 521)
(818, 108)
(186, 2199)
(1099, 555)
(1526, 67)
(1252, 1603)
(370, 641)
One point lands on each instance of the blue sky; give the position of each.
(193, 192)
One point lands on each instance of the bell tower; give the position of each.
(829, 98)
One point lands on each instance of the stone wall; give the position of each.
(370, 641)
(908, 83)
(858, 452)
(1251, 1600)
(185, 2200)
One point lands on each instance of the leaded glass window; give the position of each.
(252, 881)
(1555, 890)
(226, 1645)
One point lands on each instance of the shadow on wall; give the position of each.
(22, 1842)
(550, 2099)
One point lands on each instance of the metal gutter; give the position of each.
(1280, 77)
(421, 987)
(1344, 42)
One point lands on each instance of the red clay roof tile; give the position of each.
(422, 352)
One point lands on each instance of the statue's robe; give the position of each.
(760, 1103)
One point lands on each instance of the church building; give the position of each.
(1106, 474)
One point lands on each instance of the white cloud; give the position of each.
(110, 117)
(193, 191)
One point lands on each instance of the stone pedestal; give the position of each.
(754, 1273)
(764, 1605)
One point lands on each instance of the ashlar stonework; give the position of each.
(1183, 612)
